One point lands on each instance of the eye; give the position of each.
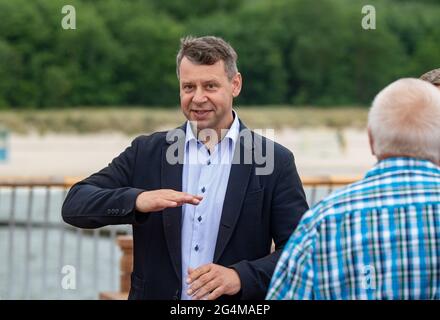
(188, 87)
(211, 86)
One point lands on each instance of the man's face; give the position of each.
(206, 94)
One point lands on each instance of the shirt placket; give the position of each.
(199, 213)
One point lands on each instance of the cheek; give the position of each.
(224, 101)
(185, 101)
(221, 100)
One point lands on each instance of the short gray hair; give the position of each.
(404, 120)
(207, 51)
(432, 76)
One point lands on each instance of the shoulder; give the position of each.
(337, 205)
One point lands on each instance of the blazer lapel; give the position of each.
(235, 193)
(171, 178)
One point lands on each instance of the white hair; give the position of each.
(404, 120)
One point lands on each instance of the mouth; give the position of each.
(201, 113)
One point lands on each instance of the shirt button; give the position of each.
(209, 162)
(199, 218)
(203, 189)
(196, 248)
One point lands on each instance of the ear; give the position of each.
(371, 141)
(236, 85)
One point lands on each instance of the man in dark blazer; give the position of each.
(203, 229)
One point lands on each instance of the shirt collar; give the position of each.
(232, 133)
(402, 163)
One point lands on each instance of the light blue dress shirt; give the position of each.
(205, 174)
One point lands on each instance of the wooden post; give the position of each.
(126, 264)
(125, 243)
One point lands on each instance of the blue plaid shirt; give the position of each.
(378, 238)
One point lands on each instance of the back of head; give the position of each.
(404, 120)
(207, 51)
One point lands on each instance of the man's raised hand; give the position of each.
(157, 200)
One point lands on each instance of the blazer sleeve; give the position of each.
(288, 205)
(105, 198)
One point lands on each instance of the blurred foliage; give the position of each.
(290, 51)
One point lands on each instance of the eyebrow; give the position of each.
(203, 82)
(211, 81)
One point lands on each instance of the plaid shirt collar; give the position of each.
(396, 164)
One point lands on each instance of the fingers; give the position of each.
(156, 200)
(206, 289)
(219, 291)
(163, 203)
(183, 197)
(198, 272)
(211, 281)
(201, 282)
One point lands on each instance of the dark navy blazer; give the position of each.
(257, 209)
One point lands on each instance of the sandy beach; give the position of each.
(318, 151)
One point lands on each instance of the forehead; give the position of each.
(200, 72)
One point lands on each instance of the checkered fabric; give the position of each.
(378, 238)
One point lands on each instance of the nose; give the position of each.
(199, 96)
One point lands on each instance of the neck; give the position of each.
(205, 136)
(392, 155)
(210, 141)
